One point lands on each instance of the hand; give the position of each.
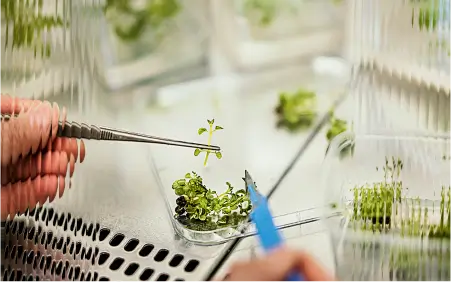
(277, 266)
(34, 164)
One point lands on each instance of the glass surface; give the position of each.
(389, 225)
(138, 41)
(37, 61)
(383, 100)
(245, 108)
(412, 36)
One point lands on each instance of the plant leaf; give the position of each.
(218, 127)
(201, 130)
(197, 152)
(218, 155)
(209, 121)
(188, 175)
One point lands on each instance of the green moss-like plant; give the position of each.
(296, 111)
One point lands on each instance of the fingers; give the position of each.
(277, 266)
(56, 163)
(30, 130)
(21, 195)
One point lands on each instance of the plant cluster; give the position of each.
(203, 209)
(373, 203)
(153, 14)
(210, 131)
(379, 207)
(297, 110)
(25, 23)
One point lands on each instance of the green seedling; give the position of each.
(25, 25)
(200, 208)
(210, 131)
(152, 15)
(296, 110)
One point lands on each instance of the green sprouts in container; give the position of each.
(297, 110)
(201, 208)
(131, 18)
(382, 206)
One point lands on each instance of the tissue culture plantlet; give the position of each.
(381, 206)
(203, 209)
(25, 23)
(210, 131)
(296, 110)
(131, 18)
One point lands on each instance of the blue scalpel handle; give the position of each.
(270, 238)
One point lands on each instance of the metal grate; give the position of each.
(43, 244)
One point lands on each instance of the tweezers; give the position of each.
(267, 232)
(84, 131)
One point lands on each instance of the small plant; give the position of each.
(203, 209)
(151, 15)
(296, 110)
(337, 126)
(25, 23)
(210, 131)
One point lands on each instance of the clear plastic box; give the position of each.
(134, 42)
(256, 33)
(245, 107)
(392, 228)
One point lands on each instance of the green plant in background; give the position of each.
(337, 126)
(210, 131)
(296, 110)
(131, 18)
(25, 25)
(265, 8)
(203, 209)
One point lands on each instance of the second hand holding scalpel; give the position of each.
(268, 234)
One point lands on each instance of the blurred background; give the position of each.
(282, 77)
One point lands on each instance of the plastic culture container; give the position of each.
(393, 194)
(37, 58)
(250, 138)
(255, 33)
(142, 41)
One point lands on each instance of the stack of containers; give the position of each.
(390, 178)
